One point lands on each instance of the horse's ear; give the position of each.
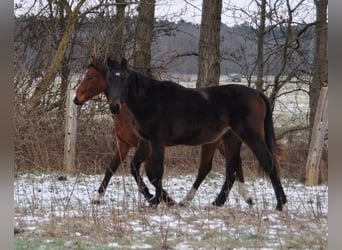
(124, 63)
(109, 62)
(94, 61)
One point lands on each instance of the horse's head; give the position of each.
(117, 83)
(94, 82)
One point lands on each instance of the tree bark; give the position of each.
(117, 46)
(48, 79)
(260, 54)
(209, 44)
(144, 35)
(320, 59)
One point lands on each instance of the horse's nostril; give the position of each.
(114, 108)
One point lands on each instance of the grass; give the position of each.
(57, 244)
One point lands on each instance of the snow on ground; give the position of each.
(46, 207)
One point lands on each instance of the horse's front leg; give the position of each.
(156, 170)
(120, 153)
(164, 196)
(140, 155)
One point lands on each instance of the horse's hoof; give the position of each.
(152, 205)
(96, 202)
(181, 204)
(171, 203)
(97, 197)
(217, 203)
(250, 202)
(211, 206)
(284, 200)
(281, 204)
(154, 202)
(279, 207)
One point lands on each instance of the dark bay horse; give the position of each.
(167, 113)
(93, 83)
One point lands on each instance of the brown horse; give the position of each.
(165, 113)
(93, 83)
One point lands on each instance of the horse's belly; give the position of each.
(196, 137)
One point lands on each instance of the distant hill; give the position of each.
(178, 47)
(174, 49)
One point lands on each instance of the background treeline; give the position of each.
(174, 47)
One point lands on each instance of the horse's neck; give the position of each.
(144, 81)
(138, 86)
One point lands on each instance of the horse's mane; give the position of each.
(148, 80)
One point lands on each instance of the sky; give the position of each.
(231, 10)
(190, 10)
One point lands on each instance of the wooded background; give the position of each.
(280, 43)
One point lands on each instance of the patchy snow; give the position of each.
(124, 219)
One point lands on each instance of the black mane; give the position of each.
(148, 80)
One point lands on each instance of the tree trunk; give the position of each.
(320, 60)
(117, 47)
(65, 72)
(284, 58)
(209, 44)
(260, 54)
(143, 35)
(48, 79)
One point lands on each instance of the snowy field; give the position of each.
(58, 214)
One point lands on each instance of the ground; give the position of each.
(57, 214)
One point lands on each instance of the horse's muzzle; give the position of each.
(115, 108)
(76, 101)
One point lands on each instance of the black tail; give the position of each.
(272, 145)
(269, 127)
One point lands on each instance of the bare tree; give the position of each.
(209, 44)
(116, 49)
(320, 59)
(280, 44)
(144, 35)
(260, 40)
(43, 85)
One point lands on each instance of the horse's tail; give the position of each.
(277, 147)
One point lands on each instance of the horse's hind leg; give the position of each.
(239, 171)
(269, 163)
(232, 145)
(207, 154)
(140, 155)
(120, 153)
